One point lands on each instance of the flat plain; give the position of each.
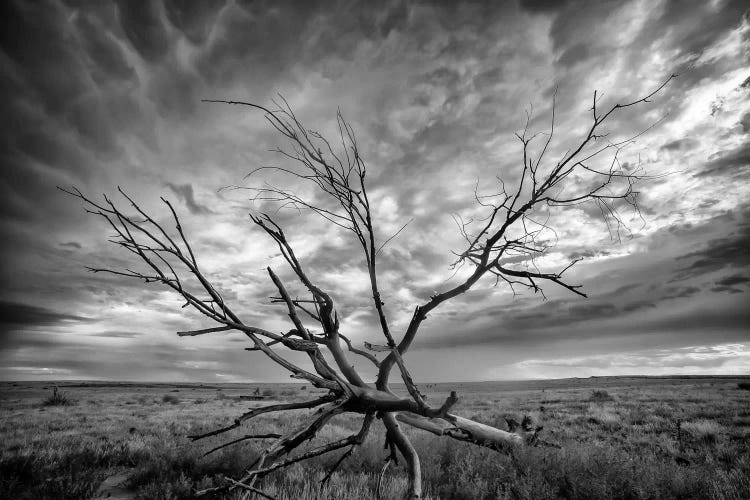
(604, 437)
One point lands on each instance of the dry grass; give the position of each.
(625, 445)
(707, 431)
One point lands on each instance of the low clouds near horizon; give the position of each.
(108, 94)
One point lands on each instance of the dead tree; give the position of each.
(514, 225)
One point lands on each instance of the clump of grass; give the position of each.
(268, 393)
(703, 430)
(600, 396)
(171, 399)
(745, 386)
(606, 419)
(638, 416)
(57, 398)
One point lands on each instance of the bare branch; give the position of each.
(362, 353)
(503, 242)
(243, 438)
(266, 409)
(193, 333)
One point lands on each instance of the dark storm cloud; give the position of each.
(46, 67)
(695, 37)
(745, 122)
(329, 257)
(680, 145)
(731, 284)
(194, 19)
(55, 125)
(730, 251)
(542, 5)
(267, 40)
(679, 292)
(640, 308)
(554, 324)
(638, 305)
(728, 289)
(113, 334)
(567, 312)
(116, 362)
(274, 38)
(72, 101)
(587, 254)
(106, 59)
(577, 53)
(708, 203)
(735, 163)
(175, 90)
(51, 150)
(143, 26)
(735, 279)
(185, 193)
(566, 31)
(13, 314)
(583, 25)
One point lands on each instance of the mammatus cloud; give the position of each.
(109, 94)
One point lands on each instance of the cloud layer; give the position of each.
(103, 94)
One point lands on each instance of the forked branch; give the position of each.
(504, 244)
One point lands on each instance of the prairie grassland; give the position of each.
(624, 438)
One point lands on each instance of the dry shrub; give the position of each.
(171, 399)
(600, 396)
(57, 398)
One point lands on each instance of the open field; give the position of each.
(619, 438)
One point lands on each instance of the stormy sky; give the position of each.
(102, 94)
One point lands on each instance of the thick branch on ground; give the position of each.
(463, 429)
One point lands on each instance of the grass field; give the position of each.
(619, 437)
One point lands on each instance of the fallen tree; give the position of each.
(504, 245)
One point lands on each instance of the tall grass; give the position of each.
(703, 430)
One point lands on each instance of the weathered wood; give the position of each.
(463, 429)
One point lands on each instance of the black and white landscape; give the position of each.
(389, 201)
